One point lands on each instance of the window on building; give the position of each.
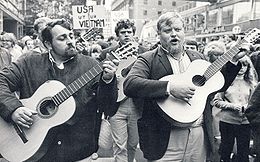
(200, 22)
(243, 11)
(212, 18)
(190, 5)
(145, 12)
(145, 1)
(227, 15)
(173, 3)
(1, 21)
(257, 9)
(159, 13)
(159, 3)
(186, 7)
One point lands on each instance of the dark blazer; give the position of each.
(142, 82)
(253, 115)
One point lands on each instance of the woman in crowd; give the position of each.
(95, 50)
(5, 57)
(28, 44)
(9, 42)
(233, 123)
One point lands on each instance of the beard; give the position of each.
(71, 52)
(175, 49)
(68, 53)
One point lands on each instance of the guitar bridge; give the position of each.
(20, 132)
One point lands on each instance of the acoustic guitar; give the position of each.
(207, 78)
(123, 68)
(55, 105)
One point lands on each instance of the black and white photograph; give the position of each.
(129, 80)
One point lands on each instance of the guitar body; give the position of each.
(12, 147)
(121, 75)
(182, 113)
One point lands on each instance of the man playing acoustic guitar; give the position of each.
(163, 137)
(70, 94)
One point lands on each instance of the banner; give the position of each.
(85, 17)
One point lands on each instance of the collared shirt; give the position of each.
(61, 65)
(179, 66)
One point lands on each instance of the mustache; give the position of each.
(70, 45)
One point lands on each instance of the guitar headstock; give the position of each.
(252, 36)
(127, 50)
(91, 33)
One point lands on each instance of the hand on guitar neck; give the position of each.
(244, 50)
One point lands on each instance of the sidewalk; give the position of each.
(107, 156)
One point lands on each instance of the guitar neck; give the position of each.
(91, 74)
(222, 60)
(79, 83)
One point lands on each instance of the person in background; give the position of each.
(233, 123)
(213, 50)
(112, 40)
(124, 122)
(39, 25)
(5, 57)
(77, 138)
(161, 140)
(253, 112)
(201, 47)
(28, 45)
(95, 50)
(99, 37)
(255, 58)
(9, 42)
(191, 45)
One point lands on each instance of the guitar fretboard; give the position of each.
(91, 74)
(222, 60)
(78, 83)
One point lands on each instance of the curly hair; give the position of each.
(168, 18)
(124, 24)
(46, 33)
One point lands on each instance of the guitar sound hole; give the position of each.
(47, 108)
(199, 80)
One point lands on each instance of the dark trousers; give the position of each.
(230, 132)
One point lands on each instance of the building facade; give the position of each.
(149, 33)
(142, 11)
(220, 18)
(12, 16)
(203, 22)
